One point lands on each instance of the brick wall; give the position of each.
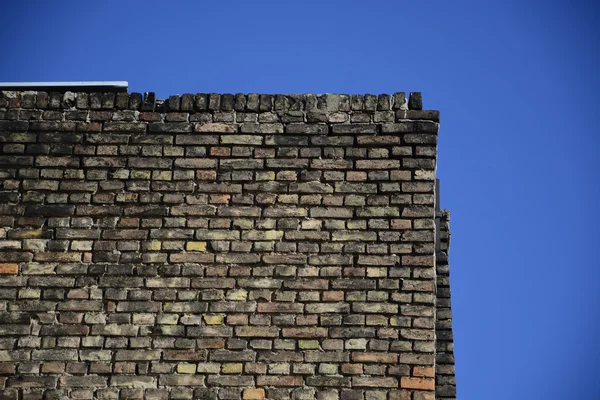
(217, 246)
(445, 382)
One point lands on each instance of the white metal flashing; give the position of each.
(67, 86)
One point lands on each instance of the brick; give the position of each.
(417, 383)
(378, 260)
(193, 210)
(287, 259)
(115, 330)
(208, 368)
(377, 164)
(232, 356)
(251, 331)
(51, 210)
(238, 258)
(124, 127)
(424, 371)
(344, 187)
(138, 382)
(185, 355)
(242, 139)
(213, 319)
(280, 308)
(379, 307)
(215, 128)
(331, 212)
(195, 246)
(278, 381)
(30, 382)
(54, 355)
(374, 382)
(83, 381)
(319, 308)
(330, 259)
(14, 126)
(173, 127)
(304, 332)
(9, 269)
(327, 356)
(386, 358)
(137, 355)
(233, 368)
(383, 140)
(181, 380)
(354, 236)
(196, 163)
(253, 394)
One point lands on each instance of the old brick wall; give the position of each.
(217, 246)
(445, 382)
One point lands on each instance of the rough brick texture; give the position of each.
(219, 246)
(444, 375)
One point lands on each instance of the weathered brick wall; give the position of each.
(445, 382)
(217, 246)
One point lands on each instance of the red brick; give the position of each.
(9, 269)
(333, 296)
(417, 383)
(387, 358)
(220, 151)
(428, 372)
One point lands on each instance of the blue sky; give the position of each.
(518, 89)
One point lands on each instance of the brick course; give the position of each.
(220, 246)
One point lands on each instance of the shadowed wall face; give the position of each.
(218, 247)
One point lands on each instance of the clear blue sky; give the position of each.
(518, 89)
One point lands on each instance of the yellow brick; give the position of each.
(265, 175)
(374, 272)
(238, 295)
(154, 245)
(254, 394)
(140, 174)
(29, 234)
(308, 344)
(231, 368)
(186, 368)
(28, 293)
(162, 175)
(213, 319)
(272, 235)
(195, 246)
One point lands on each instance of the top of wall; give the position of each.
(212, 102)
